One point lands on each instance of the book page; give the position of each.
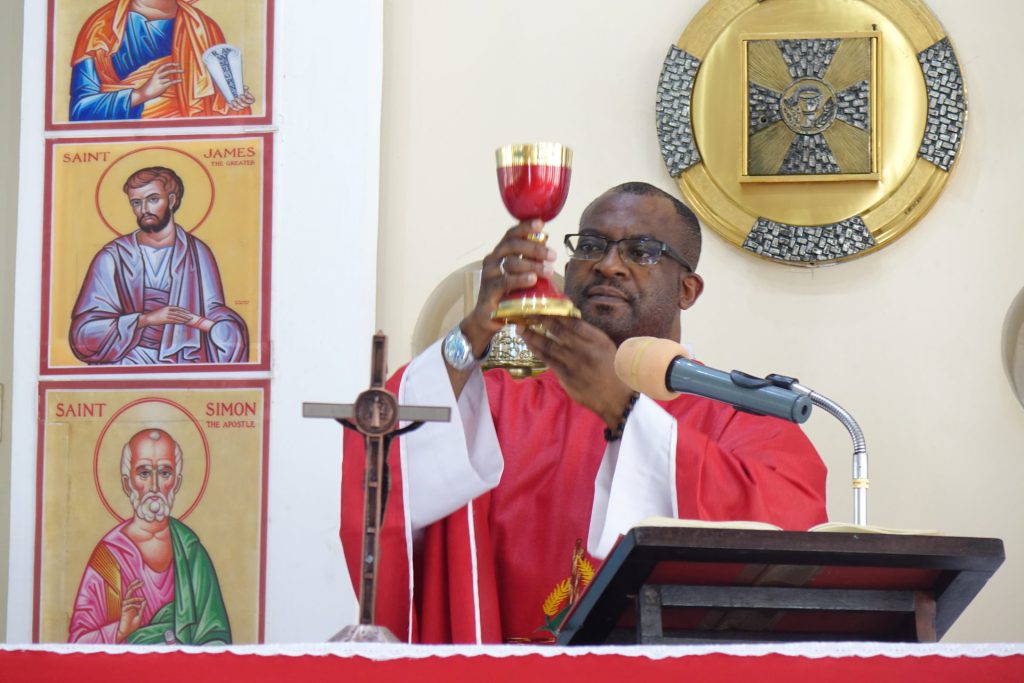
(827, 527)
(704, 524)
(850, 528)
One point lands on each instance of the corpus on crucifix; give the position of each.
(375, 414)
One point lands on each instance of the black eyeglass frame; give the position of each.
(665, 249)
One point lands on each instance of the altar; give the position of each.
(835, 662)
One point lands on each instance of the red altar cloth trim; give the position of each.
(848, 663)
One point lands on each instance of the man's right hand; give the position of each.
(168, 315)
(515, 263)
(163, 78)
(132, 607)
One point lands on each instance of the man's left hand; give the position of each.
(583, 357)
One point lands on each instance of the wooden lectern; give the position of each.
(688, 585)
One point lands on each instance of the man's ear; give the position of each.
(171, 198)
(177, 486)
(690, 287)
(124, 486)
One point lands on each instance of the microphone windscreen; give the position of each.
(642, 363)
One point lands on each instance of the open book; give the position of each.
(841, 527)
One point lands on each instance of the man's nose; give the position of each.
(611, 263)
(154, 485)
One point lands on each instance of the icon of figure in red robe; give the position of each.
(154, 296)
(144, 60)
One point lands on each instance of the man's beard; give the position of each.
(600, 315)
(160, 224)
(153, 506)
(645, 317)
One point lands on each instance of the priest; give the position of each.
(495, 520)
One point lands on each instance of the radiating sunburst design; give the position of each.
(809, 107)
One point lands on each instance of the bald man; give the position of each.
(150, 580)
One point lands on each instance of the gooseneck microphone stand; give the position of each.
(860, 450)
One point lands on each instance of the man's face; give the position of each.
(151, 205)
(153, 479)
(622, 298)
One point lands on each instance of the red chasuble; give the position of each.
(498, 569)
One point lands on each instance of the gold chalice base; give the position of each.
(518, 310)
(510, 353)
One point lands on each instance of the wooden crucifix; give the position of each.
(375, 414)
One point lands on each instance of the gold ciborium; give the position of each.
(534, 181)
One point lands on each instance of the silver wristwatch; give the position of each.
(458, 352)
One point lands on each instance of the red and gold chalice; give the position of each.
(534, 182)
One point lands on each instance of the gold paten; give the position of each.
(518, 310)
(534, 154)
(898, 188)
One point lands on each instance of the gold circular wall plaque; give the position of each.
(811, 131)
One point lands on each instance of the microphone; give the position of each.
(661, 369)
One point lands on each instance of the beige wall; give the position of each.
(10, 106)
(907, 339)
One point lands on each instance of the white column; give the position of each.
(327, 90)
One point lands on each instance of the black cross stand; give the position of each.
(375, 415)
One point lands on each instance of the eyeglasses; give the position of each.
(642, 251)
